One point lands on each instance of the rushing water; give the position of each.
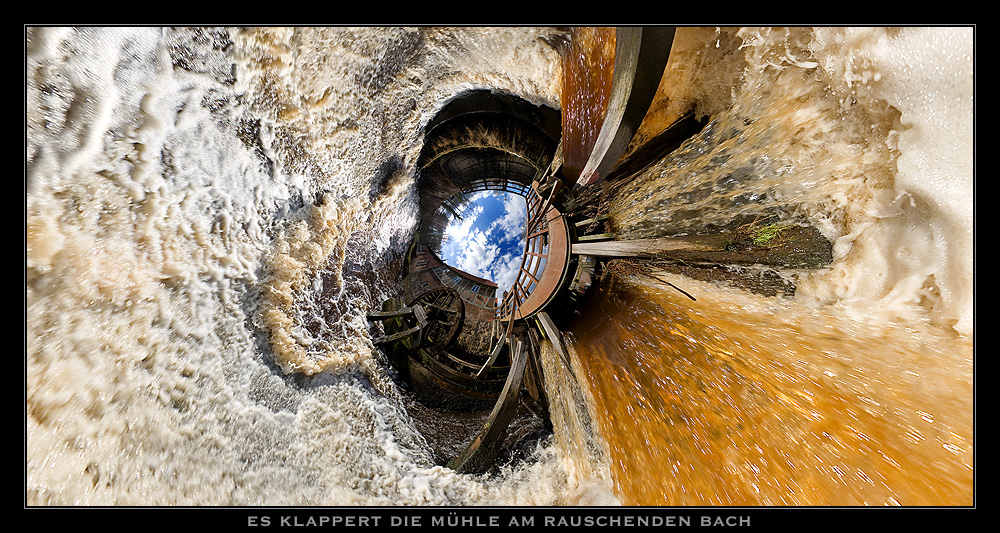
(858, 391)
(210, 213)
(736, 407)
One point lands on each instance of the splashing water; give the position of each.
(210, 213)
(858, 391)
(209, 216)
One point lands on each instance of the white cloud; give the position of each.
(458, 230)
(477, 254)
(479, 195)
(495, 253)
(505, 272)
(514, 216)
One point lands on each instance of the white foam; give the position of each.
(927, 73)
(912, 247)
(144, 382)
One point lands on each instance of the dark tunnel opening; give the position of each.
(466, 349)
(443, 329)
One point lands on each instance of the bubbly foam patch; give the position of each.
(165, 177)
(912, 247)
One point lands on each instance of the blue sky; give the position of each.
(488, 241)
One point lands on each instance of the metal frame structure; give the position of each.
(640, 58)
(544, 263)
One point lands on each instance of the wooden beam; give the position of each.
(596, 237)
(382, 315)
(592, 220)
(396, 336)
(640, 247)
(483, 449)
(792, 247)
(552, 332)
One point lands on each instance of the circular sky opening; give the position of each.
(486, 238)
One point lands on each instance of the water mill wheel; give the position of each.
(444, 311)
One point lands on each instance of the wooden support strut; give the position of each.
(638, 247)
(494, 354)
(416, 311)
(483, 449)
(797, 247)
(553, 334)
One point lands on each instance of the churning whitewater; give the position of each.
(187, 189)
(211, 212)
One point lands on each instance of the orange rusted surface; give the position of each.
(588, 70)
(544, 270)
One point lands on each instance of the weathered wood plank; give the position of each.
(379, 315)
(640, 247)
(790, 246)
(596, 237)
(421, 315)
(552, 332)
(483, 449)
(396, 336)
